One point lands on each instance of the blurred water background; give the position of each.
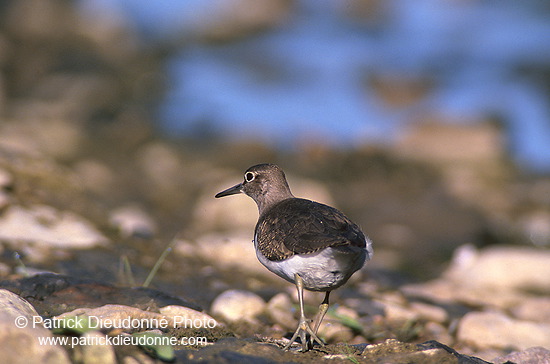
(120, 121)
(345, 73)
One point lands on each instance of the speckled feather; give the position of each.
(300, 226)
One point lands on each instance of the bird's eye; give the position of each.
(249, 176)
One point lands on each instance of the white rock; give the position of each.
(504, 268)
(533, 309)
(496, 330)
(46, 226)
(116, 316)
(127, 317)
(535, 355)
(347, 312)
(238, 305)
(395, 307)
(280, 311)
(332, 328)
(227, 251)
(414, 311)
(21, 344)
(138, 358)
(97, 350)
(438, 332)
(396, 312)
(188, 318)
(446, 291)
(131, 220)
(429, 312)
(334, 331)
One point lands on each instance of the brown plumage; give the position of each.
(299, 226)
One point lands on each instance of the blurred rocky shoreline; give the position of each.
(92, 196)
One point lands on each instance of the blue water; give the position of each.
(306, 80)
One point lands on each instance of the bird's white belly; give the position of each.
(321, 271)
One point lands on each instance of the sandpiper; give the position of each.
(310, 244)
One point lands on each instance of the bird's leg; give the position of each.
(323, 307)
(303, 326)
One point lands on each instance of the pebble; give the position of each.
(534, 355)
(496, 330)
(535, 309)
(225, 251)
(395, 308)
(332, 330)
(397, 312)
(504, 268)
(393, 351)
(23, 342)
(172, 316)
(429, 312)
(139, 358)
(445, 291)
(438, 332)
(238, 305)
(131, 220)
(280, 311)
(93, 353)
(108, 314)
(496, 277)
(187, 317)
(347, 312)
(47, 226)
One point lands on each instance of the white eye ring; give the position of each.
(249, 176)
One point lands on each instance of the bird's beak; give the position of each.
(231, 191)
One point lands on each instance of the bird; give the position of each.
(307, 243)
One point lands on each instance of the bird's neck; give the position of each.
(267, 201)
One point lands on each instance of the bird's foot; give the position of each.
(303, 331)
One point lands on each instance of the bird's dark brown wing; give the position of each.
(299, 226)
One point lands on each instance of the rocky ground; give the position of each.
(102, 217)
